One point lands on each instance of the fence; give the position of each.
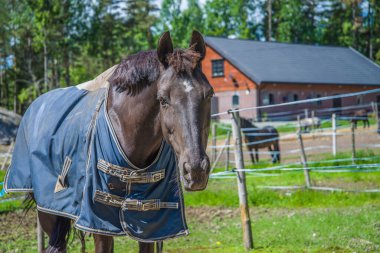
(314, 132)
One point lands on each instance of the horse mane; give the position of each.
(245, 123)
(140, 70)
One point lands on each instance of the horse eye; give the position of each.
(210, 94)
(163, 101)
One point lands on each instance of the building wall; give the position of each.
(224, 83)
(307, 91)
(251, 95)
(224, 87)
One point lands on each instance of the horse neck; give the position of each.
(136, 123)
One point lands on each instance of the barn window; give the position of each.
(319, 102)
(235, 100)
(217, 67)
(268, 99)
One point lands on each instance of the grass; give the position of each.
(282, 221)
(222, 128)
(8, 206)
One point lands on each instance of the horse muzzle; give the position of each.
(195, 174)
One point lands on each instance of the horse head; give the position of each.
(184, 94)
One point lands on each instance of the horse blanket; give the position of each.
(68, 155)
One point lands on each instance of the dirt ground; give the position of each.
(316, 142)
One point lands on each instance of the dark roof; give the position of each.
(295, 63)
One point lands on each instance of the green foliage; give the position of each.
(57, 44)
(230, 18)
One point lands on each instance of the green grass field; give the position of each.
(282, 221)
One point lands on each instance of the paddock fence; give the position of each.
(315, 132)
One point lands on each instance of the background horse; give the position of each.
(256, 138)
(152, 96)
(308, 123)
(360, 115)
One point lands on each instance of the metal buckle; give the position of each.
(157, 177)
(150, 205)
(141, 205)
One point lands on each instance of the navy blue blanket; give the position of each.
(67, 154)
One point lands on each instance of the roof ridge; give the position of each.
(236, 64)
(278, 42)
(363, 56)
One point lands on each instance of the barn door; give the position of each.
(337, 104)
(214, 105)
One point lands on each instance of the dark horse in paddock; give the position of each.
(152, 96)
(360, 115)
(255, 138)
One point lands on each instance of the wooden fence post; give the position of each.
(40, 237)
(304, 160)
(218, 157)
(306, 113)
(9, 152)
(333, 122)
(244, 209)
(375, 110)
(353, 142)
(213, 134)
(228, 150)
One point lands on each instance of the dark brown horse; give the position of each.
(154, 95)
(360, 115)
(255, 138)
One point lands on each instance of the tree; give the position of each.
(290, 20)
(180, 23)
(230, 18)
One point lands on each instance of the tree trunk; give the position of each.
(47, 86)
(370, 32)
(66, 63)
(269, 9)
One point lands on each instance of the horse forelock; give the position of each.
(142, 69)
(184, 60)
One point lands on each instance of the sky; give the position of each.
(183, 3)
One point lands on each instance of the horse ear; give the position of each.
(165, 47)
(198, 43)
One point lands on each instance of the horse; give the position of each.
(150, 117)
(307, 123)
(255, 138)
(358, 116)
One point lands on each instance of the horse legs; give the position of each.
(159, 247)
(272, 154)
(257, 155)
(57, 228)
(366, 123)
(103, 243)
(251, 153)
(146, 247)
(276, 158)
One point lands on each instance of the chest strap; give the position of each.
(127, 175)
(132, 204)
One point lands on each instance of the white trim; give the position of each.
(55, 212)
(13, 189)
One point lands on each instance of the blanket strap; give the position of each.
(132, 204)
(61, 184)
(127, 175)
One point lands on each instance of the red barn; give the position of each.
(247, 73)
